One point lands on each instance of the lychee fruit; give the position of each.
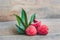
(35, 20)
(31, 30)
(43, 30)
(37, 24)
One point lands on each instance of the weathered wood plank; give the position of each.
(43, 8)
(8, 31)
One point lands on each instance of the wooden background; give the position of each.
(43, 8)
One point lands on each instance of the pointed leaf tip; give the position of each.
(24, 17)
(20, 20)
(17, 18)
(32, 18)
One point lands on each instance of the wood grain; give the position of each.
(8, 31)
(43, 8)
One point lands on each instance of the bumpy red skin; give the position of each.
(43, 30)
(31, 30)
(35, 20)
(37, 24)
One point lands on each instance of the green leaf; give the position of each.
(19, 29)
(21, 25)
(20, 20)
(32, 19)
(24, 17)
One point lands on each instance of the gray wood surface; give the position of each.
(8, 31)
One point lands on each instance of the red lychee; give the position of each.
(43, 30)
(35, 20)
(37, 24)
(31, 30)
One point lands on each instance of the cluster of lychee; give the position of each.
(37, 28)
(32, 27)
